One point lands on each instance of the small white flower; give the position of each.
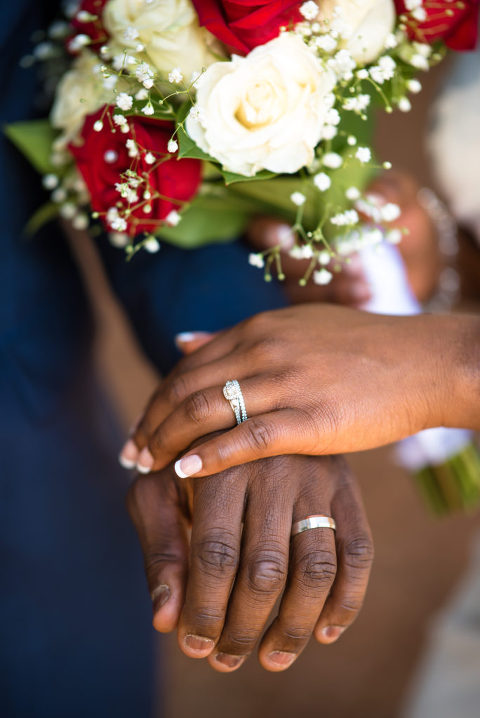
(148, 109)
(256, 260)
(301, 252)
(149, 158)
(50, 181)
(172, 145)
(141, 94)
(332, 160)
(324, 258)
(332, 117)
(130, 33)
(414, 86)
(173, 218)
(394, 236)
(326, 42)
(118, 239)
(322, 277)
(352, 193)
(119, 120)
(98, 126)
(145, 74)
(419, 61)
(363, 154)
(132, 148)
(351, 140)
(124, 101)
(309, 10)
(420, 14)
(322, 181)
(404, 104)
(298, 198)
(80, 221)
(329, 132)
(358, 103)
(390, 41)
(59, 195)
(78, 42)
(175, 76)
(390, 212)
(342, 64)
(68, 210)
(152, 245)
(115, 221)
(362, 74)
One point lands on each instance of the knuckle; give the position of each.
(260, 434)
(359, 552)
(267, 573)
(176, 390)
(297, 634)
(206, 616)
(197, 407)
(350, 604)
(217, 556)
(265, 350)
(317, 569)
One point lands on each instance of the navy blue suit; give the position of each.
(76, 636)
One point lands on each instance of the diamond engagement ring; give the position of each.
(318, 521)
(233, 394)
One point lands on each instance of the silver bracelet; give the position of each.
(448, 291)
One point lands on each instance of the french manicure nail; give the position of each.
(198, 643)
(145, 462)
(226, 659)
(184, 337)
(188, 466)
(282, 658)
(160, 596)
(331, 633)
(128, 455)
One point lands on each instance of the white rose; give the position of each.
(263, 111)
(80, 92)
(167, 29)
(365, 25)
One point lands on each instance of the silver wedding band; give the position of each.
(317, 521)
(233, 394)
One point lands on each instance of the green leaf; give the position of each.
(34, 139)
(232, 177)
(207, 220)
(188, 148)
(43, 215)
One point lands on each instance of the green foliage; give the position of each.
(34, 139)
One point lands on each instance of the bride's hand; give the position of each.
(316, 379)
(219, 588)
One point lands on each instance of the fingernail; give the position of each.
(184, 337)
(282, 658)
(188, 466)
(160, 596)
(228, 660)
(331, 633)
(145, 462)
(128, 455)
(198, 643)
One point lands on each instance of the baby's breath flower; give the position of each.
(332, 160)
(175, 76)
(301, 252)
(148, 109)
(50, 181)
(118, 239)
(150, 158)
(404, 104)
(363, 154)
(142, 94)
(151, 244)
(132, 148)
(298, 198)
(324, 258)
(124, 101)
(322, 181)
(352, 193)
(322, 277)
(309, 10)
(173, 218)
(256, 260)
(414, 86)
(390, 212)
(172, 145)
(98, 126)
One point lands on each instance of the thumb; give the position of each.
(188, 342)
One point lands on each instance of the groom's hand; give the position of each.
(242, 559)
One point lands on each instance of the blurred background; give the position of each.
(419, 559)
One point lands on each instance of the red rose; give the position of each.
(244, 24)
(103, 159)
(456, 23)
(93, 28)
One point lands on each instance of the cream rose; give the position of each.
(367, 25)
(80, 92)
(263, 111)
(167, 29)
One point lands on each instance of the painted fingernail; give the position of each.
(184, 337)
(198, 643)
(282, 658)
(160, 596)
(128, 455)
(331, 633)
(145, 462)
(188, 466)
(228, 660)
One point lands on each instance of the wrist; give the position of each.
(460, 357)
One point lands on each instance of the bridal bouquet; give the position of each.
(178, 120)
